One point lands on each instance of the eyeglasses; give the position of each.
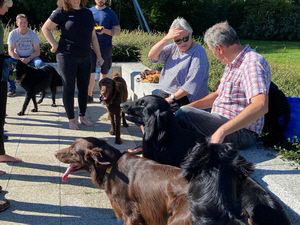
(184, 39)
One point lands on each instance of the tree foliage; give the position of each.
(256, 19)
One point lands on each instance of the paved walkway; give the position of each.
(34, 186)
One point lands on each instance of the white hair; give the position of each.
(179, 22)
(8, 3)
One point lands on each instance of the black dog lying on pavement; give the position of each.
(35, 81)
(221, 191)
(113, 92)
(164, 140)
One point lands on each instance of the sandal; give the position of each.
(136, 150)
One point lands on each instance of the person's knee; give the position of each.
(182, 115)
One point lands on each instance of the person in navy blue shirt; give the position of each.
(108, 26)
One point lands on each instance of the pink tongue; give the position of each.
(66, 174)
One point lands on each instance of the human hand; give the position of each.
(100, 61)
(218, 136)
(174, 33)
(54, 47)
(25, 60)
(169, 99)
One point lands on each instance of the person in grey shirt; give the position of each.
(23, 44)
(184, 77)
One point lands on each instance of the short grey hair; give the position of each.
(181, 23)
(221, 34)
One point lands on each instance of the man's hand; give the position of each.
(25, 60)
(218, 136)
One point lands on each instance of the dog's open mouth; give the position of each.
(71, 168)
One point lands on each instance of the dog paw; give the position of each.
(118, 141)
(21, 114)
(53, 105)
(111, 132)
(34, 110)
(125, 125)
(40, 101)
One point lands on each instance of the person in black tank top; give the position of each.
(73, 53)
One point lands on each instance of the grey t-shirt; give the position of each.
(24, 42)
(188, 71)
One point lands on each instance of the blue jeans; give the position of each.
(204, 124)
(36, 62)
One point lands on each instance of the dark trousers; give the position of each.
(3, 98)
(74, 70)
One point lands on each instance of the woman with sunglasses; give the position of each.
(184, 77)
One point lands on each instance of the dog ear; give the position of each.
(196, 160)
(97, 154)
(240, 164)
(162, 120)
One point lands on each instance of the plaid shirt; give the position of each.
(247, 76)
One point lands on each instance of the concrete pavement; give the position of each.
(34, 186)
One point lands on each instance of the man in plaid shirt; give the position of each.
(239, 104)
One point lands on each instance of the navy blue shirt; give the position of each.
(105, 17)
(76, 31)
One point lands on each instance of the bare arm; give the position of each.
(158, 47)
(205, 102)
(47, 30)
(96, 47)
(11, 51)
(255, 110)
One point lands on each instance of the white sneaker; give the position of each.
(73, 125)
(85, 121)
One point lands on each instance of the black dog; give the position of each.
(221, 192)
(277, 118)
(113, 92)
(164, 140)
(35, 81)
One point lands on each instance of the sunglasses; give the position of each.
(184, 39)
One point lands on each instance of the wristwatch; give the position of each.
(173, 97)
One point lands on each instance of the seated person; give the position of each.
(241, 100)
(23, 44)
(184, 76)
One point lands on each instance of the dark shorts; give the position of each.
(106, 52)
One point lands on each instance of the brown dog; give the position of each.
(140, 190)
(113, 92)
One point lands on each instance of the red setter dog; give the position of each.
(141, 191)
